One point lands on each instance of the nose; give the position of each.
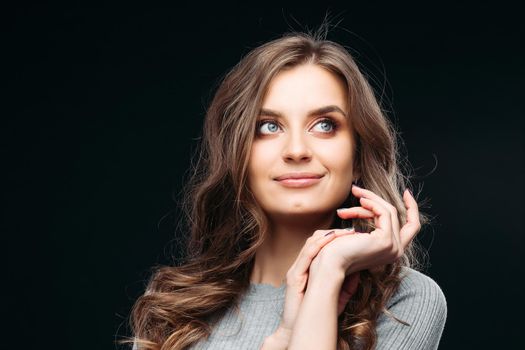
(296, 148)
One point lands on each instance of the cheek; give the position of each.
(260, 159)
(338, 158)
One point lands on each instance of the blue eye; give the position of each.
(267, 127)
(325, 126)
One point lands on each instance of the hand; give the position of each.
(296, 281)
(383, 245)
(297, 275)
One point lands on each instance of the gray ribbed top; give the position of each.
(419, 301)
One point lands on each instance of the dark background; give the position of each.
(103, 105)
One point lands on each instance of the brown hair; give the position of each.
(226, 223)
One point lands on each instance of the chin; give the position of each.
(304, 209)
(282, 206)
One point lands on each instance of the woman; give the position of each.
(295, 150)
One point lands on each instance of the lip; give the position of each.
(299, 179)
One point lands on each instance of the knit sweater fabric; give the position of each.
(418, 301)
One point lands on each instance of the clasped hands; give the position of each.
(337, 256)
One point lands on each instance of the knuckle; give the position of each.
(312, 251)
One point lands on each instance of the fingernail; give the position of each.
(342, 209)
(409, 191)
(329, 233)
(349, 229)
(356, 186)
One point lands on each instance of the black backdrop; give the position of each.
(103, 106)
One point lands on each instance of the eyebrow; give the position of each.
(312, 113)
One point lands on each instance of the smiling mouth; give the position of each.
(298, 180)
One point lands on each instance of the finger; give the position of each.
(344, 231)
(412, 226)
(382, 218)
(310, 250)
(361, 192)
(355, 212)
(313, 246)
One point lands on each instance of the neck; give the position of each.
(283, 242)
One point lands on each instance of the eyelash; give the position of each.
(330, 121)
(333, 123)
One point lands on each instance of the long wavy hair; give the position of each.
(226, 224)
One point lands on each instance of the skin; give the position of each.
(295, 141)
(319, 264)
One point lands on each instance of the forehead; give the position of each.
(307, 86)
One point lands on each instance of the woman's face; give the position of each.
(301, 158)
